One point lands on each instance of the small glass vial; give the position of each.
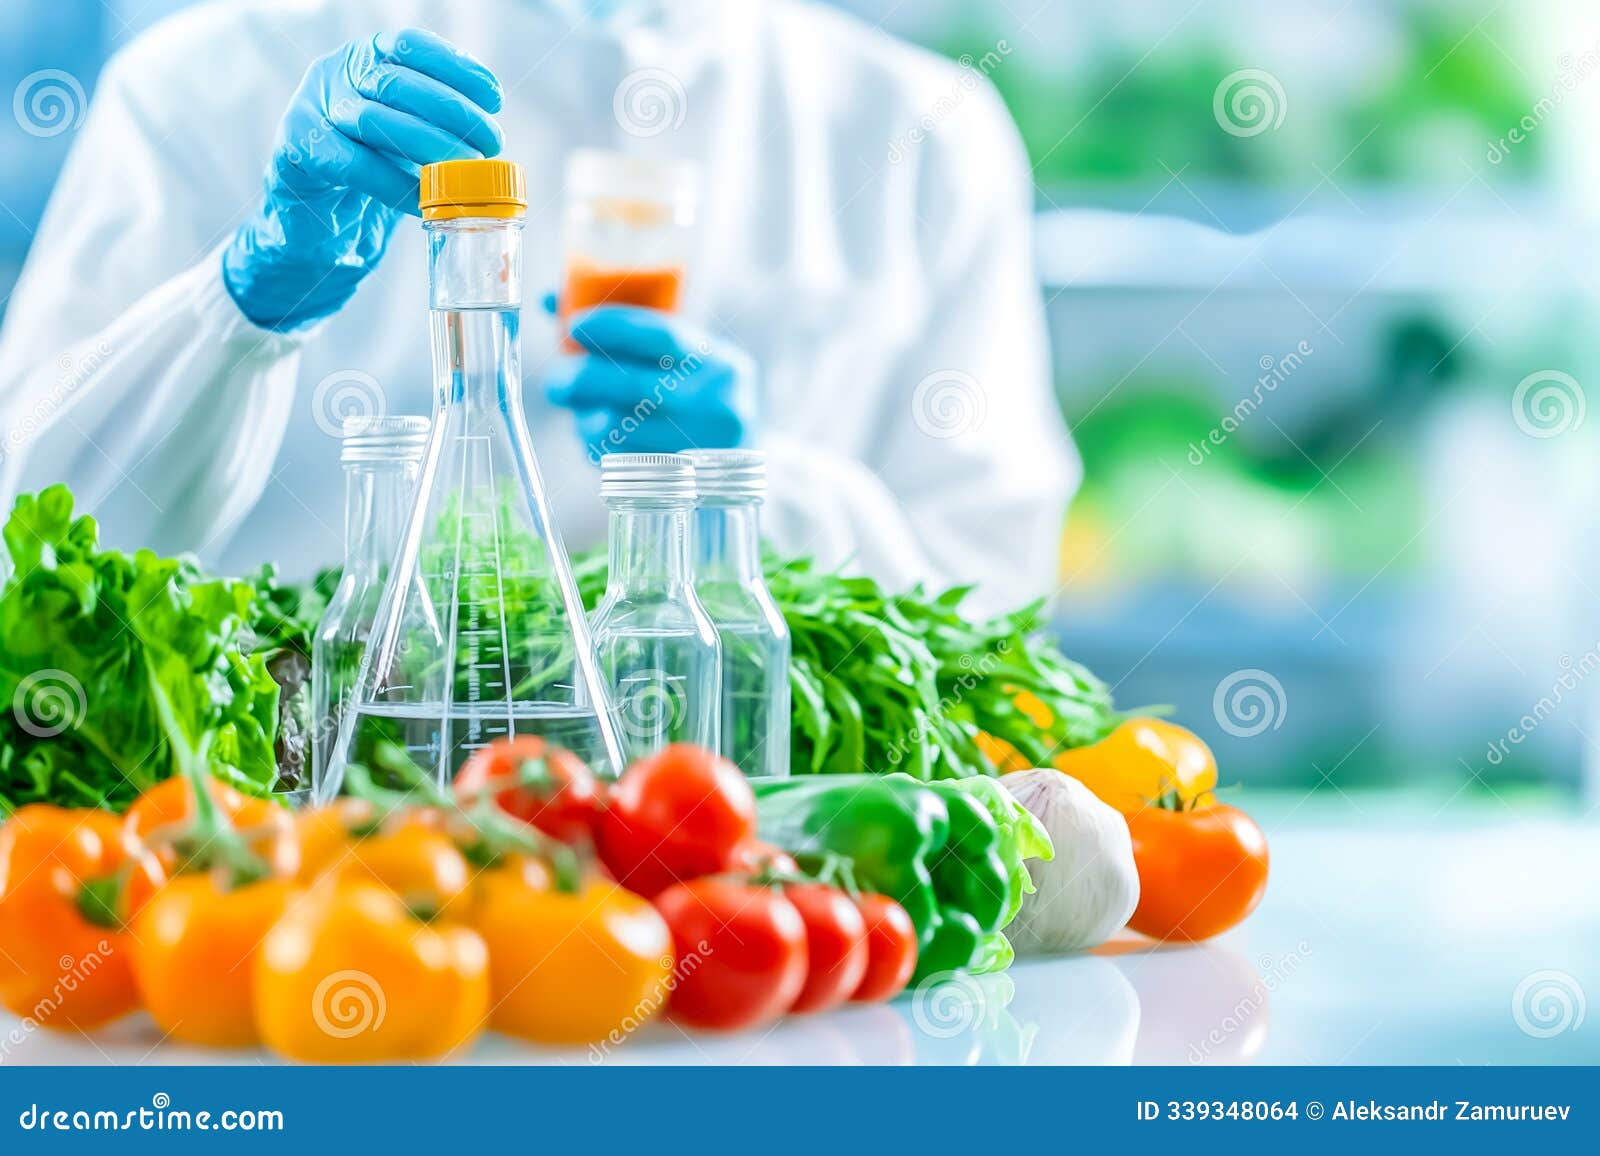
(658, 652)
(629, 227)
(731, 485)
(381, 458)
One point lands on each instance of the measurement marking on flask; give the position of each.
(444, 772)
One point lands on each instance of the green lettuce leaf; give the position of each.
(87, 637)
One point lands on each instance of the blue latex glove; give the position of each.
(344, 167)
(649, 383)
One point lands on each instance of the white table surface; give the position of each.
(1380, 941)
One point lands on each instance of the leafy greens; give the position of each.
(88, 636)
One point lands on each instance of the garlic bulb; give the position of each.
(1088, 891)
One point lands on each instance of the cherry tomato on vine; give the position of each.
(891, 949)
(752, 857)
(678, 814)
(740, 951)
(836, 946)
(543, 785)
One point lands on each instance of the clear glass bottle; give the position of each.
(732, 484)
(481, 631)
(658, 651)
(381, 458)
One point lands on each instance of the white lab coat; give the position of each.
(891, 304)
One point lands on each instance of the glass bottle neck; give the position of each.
(728, 543)
(649, 547)
(475, 263)
(377, 505)
(475, 296)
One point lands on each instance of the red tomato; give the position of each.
(676, 815)
(741, 953)
(752, 857)
(836, 946)
(531, 780)
(891, 949)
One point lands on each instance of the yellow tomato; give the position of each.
(325, 834)
(1142, 760)
(348, 975)
(194, 948)
(409, 853)
(570, 967)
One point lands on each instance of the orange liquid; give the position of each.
(591, 285)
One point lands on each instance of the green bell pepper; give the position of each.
(951, 853)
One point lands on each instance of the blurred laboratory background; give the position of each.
(1321, 283)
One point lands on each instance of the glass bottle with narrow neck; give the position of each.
(658, 652)
(381, 458)
(732, 485)
(481, 633)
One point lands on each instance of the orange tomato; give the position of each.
(325, 833)
(1141, 761)
(194, 948)
(1200, 871)
(68, 885)
(421, 866)
(411, 852)
(348, 975)
(569, 967)
(161, 816)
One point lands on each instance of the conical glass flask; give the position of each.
(480, 632)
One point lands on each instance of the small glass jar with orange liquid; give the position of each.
(629, 225)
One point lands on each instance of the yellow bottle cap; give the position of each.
(481, 188)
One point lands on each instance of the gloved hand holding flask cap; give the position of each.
(344, 167)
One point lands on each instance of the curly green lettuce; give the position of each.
(87, 639)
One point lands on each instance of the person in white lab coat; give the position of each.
(864, 265)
